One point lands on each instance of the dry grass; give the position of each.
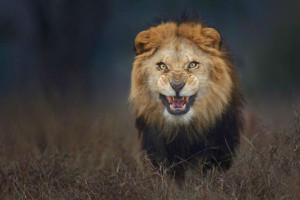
(50, 151)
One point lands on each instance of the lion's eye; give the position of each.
(193, 65)
(162, 66)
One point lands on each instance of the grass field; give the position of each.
(56, 151)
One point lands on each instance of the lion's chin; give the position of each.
(178, 105)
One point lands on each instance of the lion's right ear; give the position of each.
(142, 41)
(211, 37)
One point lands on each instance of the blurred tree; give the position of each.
(72, 46)
(67, 30)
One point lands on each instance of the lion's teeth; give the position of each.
(183, 107)
(173, 99)
(172, 108)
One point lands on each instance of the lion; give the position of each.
(184, 92)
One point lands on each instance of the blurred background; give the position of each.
(75, 49)
(66, 129)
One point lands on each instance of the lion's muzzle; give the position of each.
(172, 86)
(177, 105)
(177, 86)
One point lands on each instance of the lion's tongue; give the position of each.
(178, 103)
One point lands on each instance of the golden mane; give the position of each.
(223, 78)
(208, 133)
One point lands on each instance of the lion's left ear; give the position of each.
(211, 37)
(141, 43)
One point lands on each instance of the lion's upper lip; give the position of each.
(177, 105)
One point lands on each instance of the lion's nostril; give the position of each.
(177, 86)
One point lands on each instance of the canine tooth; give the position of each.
(172, 108)
(169, 98)
(183, 107)
(187, 99)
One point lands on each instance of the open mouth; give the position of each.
(178, 105)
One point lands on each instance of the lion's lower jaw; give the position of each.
(179, 119)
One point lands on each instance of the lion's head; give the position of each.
(180, 75)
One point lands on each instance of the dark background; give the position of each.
(84, 48)
(66, 129)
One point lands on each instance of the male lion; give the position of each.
(185, 94)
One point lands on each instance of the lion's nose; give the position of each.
(177, 86)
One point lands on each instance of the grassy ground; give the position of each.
(75, 152)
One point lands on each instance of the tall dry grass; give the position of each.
(75, 151)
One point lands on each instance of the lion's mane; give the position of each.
(212, 136)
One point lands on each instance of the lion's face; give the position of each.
(179, 75)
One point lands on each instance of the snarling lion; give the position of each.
(184, 91)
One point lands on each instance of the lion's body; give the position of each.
(205, 131)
